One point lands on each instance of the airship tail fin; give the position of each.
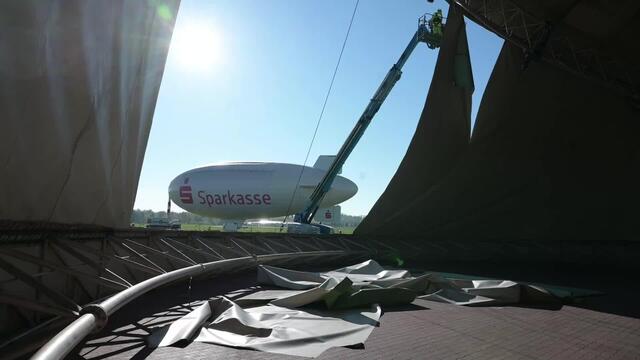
(324, 162)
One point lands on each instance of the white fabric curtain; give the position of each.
(78, 85)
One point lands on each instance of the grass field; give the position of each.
(264, 229)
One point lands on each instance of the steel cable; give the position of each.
(324, 105)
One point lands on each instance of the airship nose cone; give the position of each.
(173, 187)
(180, 191)
(350, 188)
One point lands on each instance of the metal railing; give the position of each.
(47, 275)
(94, 316)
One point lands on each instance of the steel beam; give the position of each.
(29, 280)
(63, 269)
(555, 44)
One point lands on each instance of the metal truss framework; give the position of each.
(540, 39)
(51, 279)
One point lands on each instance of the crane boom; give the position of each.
(429, 32)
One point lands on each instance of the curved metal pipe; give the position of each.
(95, 315)
(115, 302)
(68, 338)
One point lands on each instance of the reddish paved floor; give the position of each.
(424, 330)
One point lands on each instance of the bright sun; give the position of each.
(197, 47)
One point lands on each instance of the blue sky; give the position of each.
(245, 80)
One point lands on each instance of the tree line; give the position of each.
(141, 216)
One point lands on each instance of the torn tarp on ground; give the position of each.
(310, 312)
(368, 282)
(270, 328)
(349, 287)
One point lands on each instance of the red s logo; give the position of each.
(185, 193)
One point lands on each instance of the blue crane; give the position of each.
(430, 32)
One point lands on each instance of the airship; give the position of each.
(252, 190)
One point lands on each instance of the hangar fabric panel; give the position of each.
(79, 82)
(552, 157)
(442, 134)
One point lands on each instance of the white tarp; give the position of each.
(349, 287)
(371, 283)
(270, 328)
(311, 312)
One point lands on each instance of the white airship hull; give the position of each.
(253, 190)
